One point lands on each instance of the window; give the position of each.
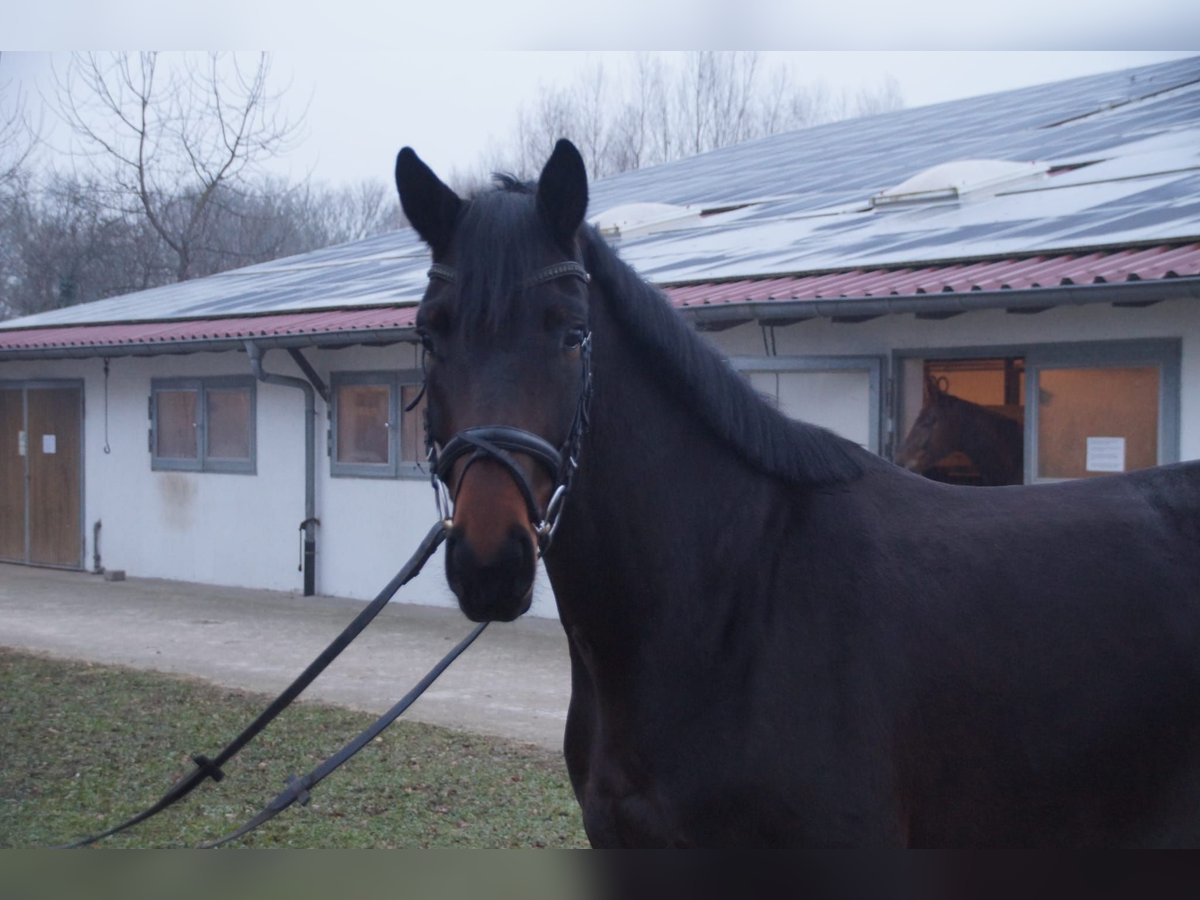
(371, 434)
(1097, 420)
(203, 424)
(1078, 410)
(840, 393)
(1101, 410)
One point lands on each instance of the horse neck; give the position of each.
(648, 532)
(986, 437)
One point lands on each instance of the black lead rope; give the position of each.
(211, 768)
(297, 789)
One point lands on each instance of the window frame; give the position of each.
(202, 462)
(871, 366)
(1165, 353)
(395, 380)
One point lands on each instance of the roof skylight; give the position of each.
(632, 217)
(958, 178)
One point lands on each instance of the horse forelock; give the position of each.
(499, 240)
(739, 416)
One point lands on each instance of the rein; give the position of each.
(498, 442)
(297, 788)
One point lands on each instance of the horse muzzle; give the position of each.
(502, 516)
(495, 588)
(493, 542)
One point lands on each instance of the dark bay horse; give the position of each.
(777, 638)
(947, 424)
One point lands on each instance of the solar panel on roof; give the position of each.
(799, 175)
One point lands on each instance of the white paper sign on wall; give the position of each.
(1106, 454)
(49, 444)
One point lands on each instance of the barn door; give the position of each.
(41, 474)
(12, 474)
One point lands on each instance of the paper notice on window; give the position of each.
(49, 444)
(1106, 454)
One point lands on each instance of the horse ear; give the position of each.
(562, 192)
(932, 389)
(430, 206)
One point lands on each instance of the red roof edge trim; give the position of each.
(929, 283)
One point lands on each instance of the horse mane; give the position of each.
(701, 377)
(501, 226)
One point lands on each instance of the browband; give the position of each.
(565, 269)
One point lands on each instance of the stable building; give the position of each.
(1035, 253)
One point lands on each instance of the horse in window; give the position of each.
(947, 425)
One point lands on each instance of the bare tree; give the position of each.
(350, 212)
(580, 109)
(657, 98)
(172, 139)
(885, 97)
(166, 184)
(552, 116)
(18, 134)
(718, 99)
(16, 143)
(61, 247)
(702, 101)
(63, 244)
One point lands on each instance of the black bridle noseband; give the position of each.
(498, 442)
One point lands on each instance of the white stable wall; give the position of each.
(1173, 319)
(235, 529)
(244, 529)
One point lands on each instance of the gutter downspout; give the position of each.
(309, 525)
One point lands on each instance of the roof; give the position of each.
(330, 327)
(1113, 163)
(1141, 276)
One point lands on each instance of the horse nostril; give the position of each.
(498, 588)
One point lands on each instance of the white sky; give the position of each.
(447, 78)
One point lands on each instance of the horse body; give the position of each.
(778, 639)
(1041, 659)
(885, 661)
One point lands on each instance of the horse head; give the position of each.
(505, 328)
(928, 440)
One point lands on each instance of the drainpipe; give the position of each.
(97, 569)
(309, 525)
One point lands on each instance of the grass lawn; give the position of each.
(83, 747)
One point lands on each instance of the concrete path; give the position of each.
(514, 681)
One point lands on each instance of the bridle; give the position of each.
(498, 443)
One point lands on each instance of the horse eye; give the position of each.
(574, 338)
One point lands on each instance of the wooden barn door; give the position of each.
(41, 475)
(53, 419)
(12, 474)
